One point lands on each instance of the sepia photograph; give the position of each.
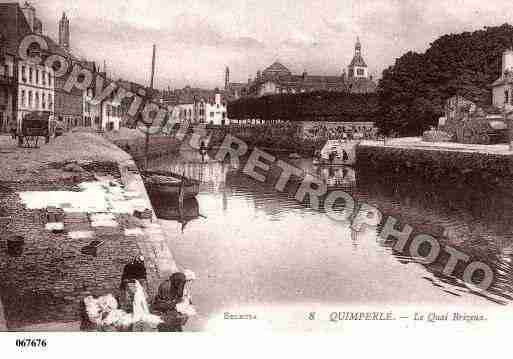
(254, 167)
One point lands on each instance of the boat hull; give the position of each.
(170, 184)
(189, 191)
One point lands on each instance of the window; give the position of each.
(506, 96)
(43, 102)
(211, 114)
(37, 76)
(24, 73)
(50, 104)
(30, 99)
(31, 73)
(23, 99)
(360, 72)
(49, 79)
(37, 100)
(43, 78)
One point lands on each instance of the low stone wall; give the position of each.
(434, 164)
(157, 146)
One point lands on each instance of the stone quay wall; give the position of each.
(433, 164)
(158, 146)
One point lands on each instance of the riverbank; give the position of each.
(436, 161)
(95, 189)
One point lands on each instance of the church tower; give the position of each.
(64, 32)
(226, 79)
(358, 68)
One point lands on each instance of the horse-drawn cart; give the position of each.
(34, 125)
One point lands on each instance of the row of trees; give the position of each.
(313, 106)
(411, 93)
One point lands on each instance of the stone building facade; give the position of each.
(24, 86)
(277, 79)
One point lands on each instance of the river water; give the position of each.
(257, 250)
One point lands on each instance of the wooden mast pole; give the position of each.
(146, 148)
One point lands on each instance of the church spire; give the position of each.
(358, 46)
(64, 32)
(358, 68)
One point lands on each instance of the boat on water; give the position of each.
(170, 184)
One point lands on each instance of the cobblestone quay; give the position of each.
(45, 284)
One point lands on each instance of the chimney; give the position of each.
(226, 79)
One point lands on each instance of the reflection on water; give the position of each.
(167, 208)
(257, 246)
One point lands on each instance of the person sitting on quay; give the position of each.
(135, 270)
(173, 302)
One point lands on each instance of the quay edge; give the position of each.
(436, 162)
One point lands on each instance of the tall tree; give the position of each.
(412, 91)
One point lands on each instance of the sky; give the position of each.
(197, 39)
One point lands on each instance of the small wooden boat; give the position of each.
(170, 184)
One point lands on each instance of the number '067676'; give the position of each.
(31, 343)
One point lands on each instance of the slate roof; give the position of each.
(276, 69)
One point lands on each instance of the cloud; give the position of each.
(196, 39)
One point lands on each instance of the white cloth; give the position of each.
(104, 311)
